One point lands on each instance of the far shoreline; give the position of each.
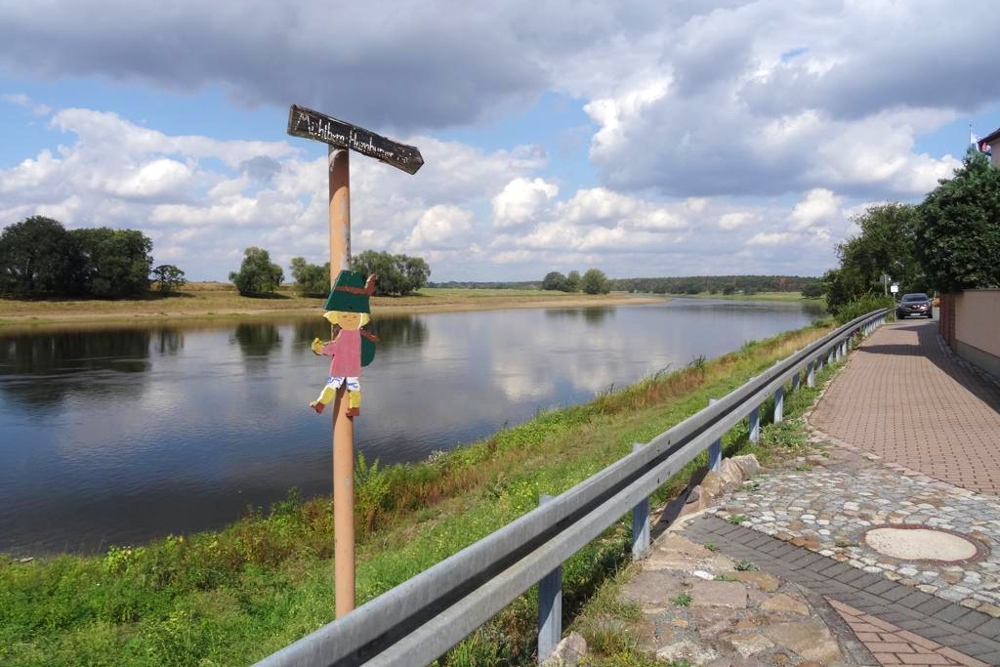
(206, 303)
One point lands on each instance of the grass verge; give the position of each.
(231, 597)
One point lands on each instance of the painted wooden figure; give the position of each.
(350, 346)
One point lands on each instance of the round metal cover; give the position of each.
(914, 543)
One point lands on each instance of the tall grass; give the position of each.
(233, 596)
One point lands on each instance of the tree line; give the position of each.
(397, 275)
(725, 285)
(41, 258)
(948, 242)
(592, 282)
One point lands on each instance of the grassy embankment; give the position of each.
(199, 301)
(234, 596)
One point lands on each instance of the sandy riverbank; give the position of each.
(209, 301)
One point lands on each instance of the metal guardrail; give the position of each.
(416, 622)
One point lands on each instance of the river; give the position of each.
(119, 435)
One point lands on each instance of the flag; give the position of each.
(973, 139)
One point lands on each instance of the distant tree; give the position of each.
(959, 228)
(595, 282)
(37, 257)
(257, 275)
(310, 279)
(415, 272)
(554, 281)
(395, 274)
(573, 281)
(813, 290)
(389, 279)
(168, 278)
(115, 263)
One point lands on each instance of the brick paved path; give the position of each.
(903, 397)
(914, 628)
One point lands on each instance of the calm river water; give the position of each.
(115, 436)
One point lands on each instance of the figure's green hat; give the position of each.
(350, 293)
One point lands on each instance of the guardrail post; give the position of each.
(549, 607)
(811, 375)
(779, 405)
(755, 424)
(796, 381)
(715, 450)
(640, 523)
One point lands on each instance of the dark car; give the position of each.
(914, 304)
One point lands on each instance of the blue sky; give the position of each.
(641, 138)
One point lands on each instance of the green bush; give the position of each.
(864, 305)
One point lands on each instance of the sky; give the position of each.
(642, 137)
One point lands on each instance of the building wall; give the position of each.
(995, 148)
(976, 326)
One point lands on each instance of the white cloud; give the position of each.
(159, 178)
(735, 220)
(771, 238)
(521, 201)
(726, 135)
(441, 226)
(819, 204)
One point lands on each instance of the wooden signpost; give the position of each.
(341, 138)
(311, 124)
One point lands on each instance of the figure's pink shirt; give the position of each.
(346, 353)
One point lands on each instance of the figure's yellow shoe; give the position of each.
(353, 403)
(324, 399)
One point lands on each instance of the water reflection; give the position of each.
(147, 432)
(42, 370)
(169, 341)
(393, 331)
(399, 331)
(593, 315)
(257, 341)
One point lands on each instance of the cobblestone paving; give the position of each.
(828, 508)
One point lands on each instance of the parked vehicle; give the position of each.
(914, 304)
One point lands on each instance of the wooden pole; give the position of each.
(343, 426)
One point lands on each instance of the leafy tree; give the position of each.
(886, 245)
(257, 275)
(813, 290)
(396, 274)
(415, 271)
(573, 281)
(595, 282)
(959, 228)
(310, 279)
(554, 281)
(168, 278)
(115, 263)
(390, 280)
(37, 257)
